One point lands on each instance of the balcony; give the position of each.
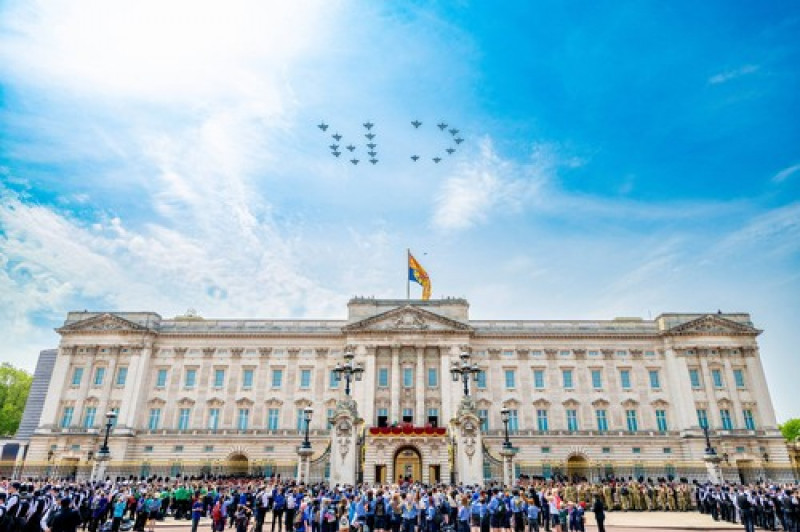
(407, 429)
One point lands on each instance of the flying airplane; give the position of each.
(416, 123)
(442, 125)
(368, 125)
(337, 137)
(323, 126)
(437, 159)
(354, 161)
(373, 161)
(334, 147)
(453, 132)
(458, 140)
(337, 153)
(450, 151)
(371, 145)
(370, 136)
(350, 147)
(414, 158)
(372, 153)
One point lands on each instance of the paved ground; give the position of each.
(615, 522)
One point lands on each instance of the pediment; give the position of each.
(102, 323)
(712, 325)
(407, 319)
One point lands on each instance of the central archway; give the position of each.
(237, 465)
(577, 467)
(408, 464)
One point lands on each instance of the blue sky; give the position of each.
(619, 159)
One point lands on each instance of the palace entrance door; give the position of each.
(577, 468)
(408, 464)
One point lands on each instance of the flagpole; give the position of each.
(408, 279)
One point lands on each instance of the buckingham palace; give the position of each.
(389, 392)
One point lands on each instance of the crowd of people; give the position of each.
(275, 505)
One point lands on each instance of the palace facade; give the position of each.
(624, 397)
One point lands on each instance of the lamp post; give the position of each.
(505, 415)
(110, 417)
(463, 371)
(307, 412)
(349, 370)
(710, 451)
(711, 459)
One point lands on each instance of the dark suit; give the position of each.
(599, 510)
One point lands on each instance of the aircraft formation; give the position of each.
(450, 134)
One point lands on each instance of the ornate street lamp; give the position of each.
(710, 451)
(110, 416)
(505, 415)
(307, 412)
(463, 370)
(349, 370)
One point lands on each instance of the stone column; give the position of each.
(395, 390)
(304, 465)
(446, 387)
(369, 385)
(680, 387)
(419, 407)
(469, 444)
(508, 466)
(344, 443)
(136, 392)
(62, 374)
(113, 359)
(712, 466)
(758, 388)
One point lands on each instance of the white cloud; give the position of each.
(729, 75)
(785, 174)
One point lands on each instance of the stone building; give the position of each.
(624, 397)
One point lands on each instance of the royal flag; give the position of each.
(418, 274)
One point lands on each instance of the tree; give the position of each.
(790, 429)
(14, 387)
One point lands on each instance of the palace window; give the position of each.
(510, 379)
(716, 376)
(99, 374)
(572, 419)
(661, 420)
(213, 418)
(154, 419)
(655, 381)
(481, 380)
(625, 378)
(631, 420)
(702, 417)
(77, 376)
(749, 420)
(191, 378)
(301, 420)
(272, 418)
(408, 377)
(433, 417)
(541, 420)
(244, 418)
(247, 379)
(564, 353)
(483, 415)
(331, 411)
(566, 376)
(694, 378)
(89, 415)
(333, 379)
(597, 379)
(305, 379)
(183, 418)
(725, 416)
(433, 378)
(538, 379)
(513, 421)
(738, 377)
(408, 415)
(594, 353)
(219, 378)
(122, 375)
(161, 378)
(602, 420)
(383, 417)
(115, 419)
(508, 353)
(66, 417)
(277, 378)
(383, 377)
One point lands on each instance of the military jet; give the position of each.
(354, 161)
(336, 153)
(441, 126)
(437, 159)
(371, 145)
(372, 153)
(450, 151)
(323, 126)
(373, 161)
(416, 123)
(453, 132)
(334, 147)
(370, 136)
(414, 158)
(350, 147)
(337, 137)
(458, 140)
(368, 125)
